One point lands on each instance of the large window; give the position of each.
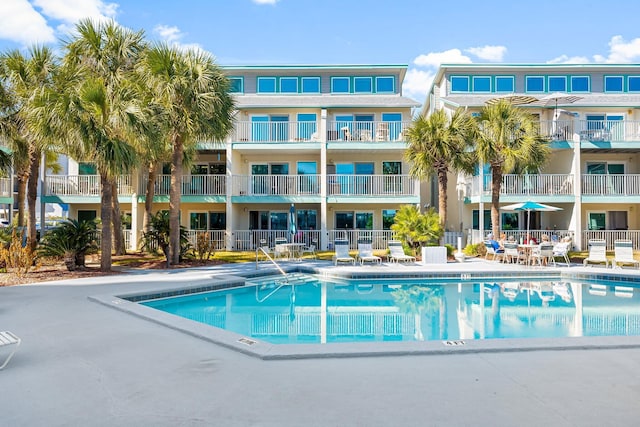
(362, 84)
(557, 84)
(198, 221)
(505, 84)
(580, 84)
(270, 128)
(633, 83)
(339, 84)
(392, 124)
(385, 84)
(237, 85)
(266, 84)
(481, 84)
(87, 169)
(476, 219)
(308, 184)
(307, 219)
(351, 220)
(388, 218)
(459, 84)
(534, 84)
(288, 84)
(310, 84)
(307, 126)
(613, 83)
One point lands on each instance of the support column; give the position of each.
(576, 216)
(229, 232)
(324, 232)
(135, 220)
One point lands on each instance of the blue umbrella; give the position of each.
(529, 206)
(292, 220)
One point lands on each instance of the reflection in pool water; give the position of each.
(309, 310)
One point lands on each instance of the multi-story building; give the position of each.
(327, 140)
(591, 115)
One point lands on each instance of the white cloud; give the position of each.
(565, 59)
(71, 11)
(21, 23)
(489, 53)
(417, 83)
(622, 52)
(434, 59)
(272, 2)
(172, 35)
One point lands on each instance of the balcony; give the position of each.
(611, 185)
(5, 187)
(370, 185)
(369, 131)
(192, 185)
(591, 130)
(269, 132)
(83, 185)
(276, 185)
(526, 185)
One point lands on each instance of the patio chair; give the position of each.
(311, 250)
(511, 252)
(365, 253)
(396, 252)
(597, 253)
(281, 250)
(10, 341)
(342, 253)
(624, 254)
(561, 249)
(495, 254)
(543, 254)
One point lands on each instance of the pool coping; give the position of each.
(128, 302)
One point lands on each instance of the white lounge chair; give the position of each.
(10, 341)
(365, 253)
(396, 252)
(597, 253)
(624, 254)
(342, 253)
(561, 249)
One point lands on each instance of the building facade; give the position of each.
(327, 140)
(591, 115)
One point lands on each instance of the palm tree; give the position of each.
(193, 95)
(416, 229)
(438, 145)
(509, 141)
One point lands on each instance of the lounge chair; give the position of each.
(365, 253)
(10, 341)
(597, 253)
(342, 253)
(624, 254)
(396, 252)
(561, 249)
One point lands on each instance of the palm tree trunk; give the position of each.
(116, 220)
(496, 184)
(22, 192)
(442, 199)
(149, 194)
(105, 217)
(174, 200)
(32, 196)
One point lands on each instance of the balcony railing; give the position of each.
(370, 185)
(5, 187)
(591, 130)
(526, 185)
(611, 185)
(192, 185)
(367, 131)
(249, 240)
(275, 132)
(276, 185)
(215, 237)
(83, 185)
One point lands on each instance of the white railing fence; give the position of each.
(533, 185)
(370, 185)
(5, 187)
(269, 185)
(249, 240)
(275, 132)
(611, 185)
(610, 236)
(83, 185)
(367, 131)
(197, 185)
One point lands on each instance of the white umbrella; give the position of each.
(513, 99)
(559, 97)
(529, 206)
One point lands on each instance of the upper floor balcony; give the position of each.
(276, 185)
(83, 185)
(367, 131)
(609, 130)
(5, 187)
(191, 185)
(371, 185)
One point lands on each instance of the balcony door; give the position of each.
(613, 183)
(262, 179)
(270, 128)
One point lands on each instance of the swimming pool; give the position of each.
(307, 309)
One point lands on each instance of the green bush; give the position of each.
(71, 241)
(477, 249)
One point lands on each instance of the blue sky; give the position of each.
(419, 33)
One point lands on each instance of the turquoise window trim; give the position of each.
(502, 80)
(236, 87)
(529, 80)
(264, 80)
(554, 87)
(382, 79)
(613, 80)
(573, 83)
(335, 79)
(477, 81)
(305, 79)
(359, 81)
(458, 86)
(284, 81)
(633, 84)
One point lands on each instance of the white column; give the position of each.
(135, 212)
(229, 232)
(576, 216)
(324, 232)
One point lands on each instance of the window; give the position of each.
(289, 85)
(306, 219)
(388, 218)
(237, 85)
(580, 84)
(476, 219)
(362, 84)
(217, 221)
(481, 84)
(633, 83)
(310, 84)
(557, 84)
(459, 84)
(596, 221)
(505, 84)
(364, 220)
(393, 122)
(392, 182)
(86, 215)
(534, 84)
(307, 126)
(87, 169)
(344, 220)
(266, 84)
(308, 184)
(339, 84)
(613, 84)
(270, 128)
(198, 221)
(385, 84)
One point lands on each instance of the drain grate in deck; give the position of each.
(453, 343)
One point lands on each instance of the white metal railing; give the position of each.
(610, 236)
(557, 130)
(378, 238)
(533, 185)
(192, 185)
(609, 130)
(249, 240)
(83, 185)
(5, 187)
(275, 132)
(269, 185)
(367, 131)
(370, 185)
(611, 185)
(216, 237)
(476, 236)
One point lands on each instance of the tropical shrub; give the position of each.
(71, 240)
(205, 247)
(417, 229)
(17, 256)
(158, 237)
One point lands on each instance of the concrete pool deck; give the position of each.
(82, 363)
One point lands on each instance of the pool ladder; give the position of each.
(264, 251)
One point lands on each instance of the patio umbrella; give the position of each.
(529, 206)
(513, 99)
(292, 221)
(559, 97)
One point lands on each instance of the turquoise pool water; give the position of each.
(305, 309)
